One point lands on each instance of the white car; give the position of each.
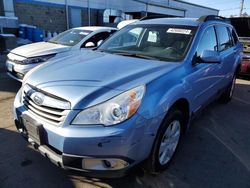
(24, 58)
(124, 23)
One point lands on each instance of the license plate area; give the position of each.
(33, 129)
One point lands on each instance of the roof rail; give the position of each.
(214, 18)
(154, 17)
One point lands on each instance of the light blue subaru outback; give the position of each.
(130, 100)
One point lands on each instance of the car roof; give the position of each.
(170, 21)
(95, 28)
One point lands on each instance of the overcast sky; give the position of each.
(226, 7)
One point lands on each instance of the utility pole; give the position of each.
(241, 7)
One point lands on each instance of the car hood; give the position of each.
(39, 49)
(93, 77)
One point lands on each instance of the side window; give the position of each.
(132, 37)
(233, 35)
(207, 42)
(128, 39)
(96, 40)
(223, 38)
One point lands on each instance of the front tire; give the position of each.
(166, 142)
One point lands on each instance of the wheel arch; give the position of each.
(183, 105)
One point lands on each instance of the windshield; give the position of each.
(70, 37)
(159, 42)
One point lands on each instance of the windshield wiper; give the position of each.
(135, 55)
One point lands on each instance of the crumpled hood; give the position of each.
(92, 77)
(39, 49)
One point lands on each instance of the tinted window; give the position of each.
(98, 38)
(207, 42)
(223, 37)
(230, 36)
(234, 36)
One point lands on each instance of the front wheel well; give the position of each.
(182, 105)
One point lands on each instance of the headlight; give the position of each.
(39, 59)
(113, 111)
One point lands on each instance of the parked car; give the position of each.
(245, 65)
(242, 26)
(131, 100)
(24, 58)
(125, 23)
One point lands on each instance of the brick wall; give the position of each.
(49, 18)
(53, 18)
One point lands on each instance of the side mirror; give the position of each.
(209, 56)
(89, 45)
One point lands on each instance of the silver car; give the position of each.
(24, 58)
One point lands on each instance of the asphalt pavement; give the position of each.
(215, 151)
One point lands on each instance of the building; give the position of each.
(58, 15)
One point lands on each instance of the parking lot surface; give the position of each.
(215, 151)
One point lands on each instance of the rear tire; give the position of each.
(166, 142)
(228, 93)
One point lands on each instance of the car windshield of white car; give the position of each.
(70, 37)
(159, 42)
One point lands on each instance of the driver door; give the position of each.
(204, 77)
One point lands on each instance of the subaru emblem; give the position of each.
(38, 98)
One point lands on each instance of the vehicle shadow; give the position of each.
(21, 166)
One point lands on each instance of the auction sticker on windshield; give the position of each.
(179, 31)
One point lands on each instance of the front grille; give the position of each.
(55, 116)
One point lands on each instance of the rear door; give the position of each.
(228, 52)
